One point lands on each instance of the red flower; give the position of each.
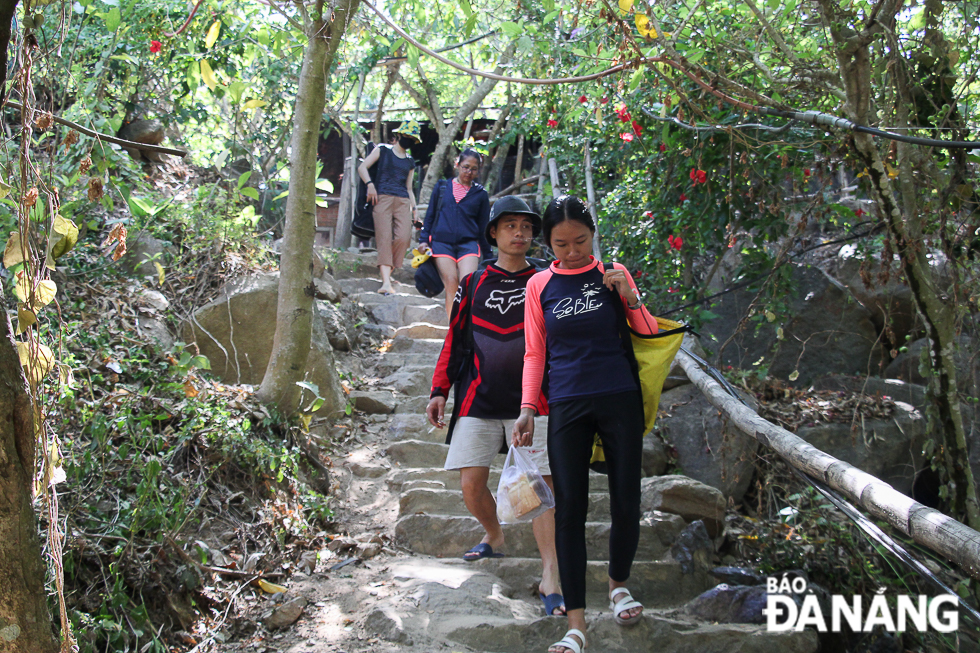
(806, 172)
(552, 123)
(554, 110)
(648, 214)
(683, 197)
(698, 176)
(663, 148)
(624, 115)
(671, 290)
(604, 100)
(626, 136)
(678, 243)
(637, 129)
(859, 212)
(583, 99)
(638, 274)
(155, 46)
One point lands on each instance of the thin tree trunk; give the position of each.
(904, 223)
(447, 134)
(519, 165)
(497, 165)
(539, 195)
(553, 170)
(294, 312)
(590, 193)
(25, 623)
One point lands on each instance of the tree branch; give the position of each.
(105, 137)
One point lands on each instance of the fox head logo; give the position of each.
(502, 300)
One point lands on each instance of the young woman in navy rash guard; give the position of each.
(457, 235)
(571, 322)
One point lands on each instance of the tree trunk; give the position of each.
(25, 623)
(294, 313)
(905, 221)
(345, 211)
(448, 133)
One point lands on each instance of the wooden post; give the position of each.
(590, 193)
(553, 169)
(345, 211)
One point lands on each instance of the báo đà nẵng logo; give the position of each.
(784, 612)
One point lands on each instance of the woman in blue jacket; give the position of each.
(455, 224)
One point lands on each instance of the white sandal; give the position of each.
(570, 643)
(625, 603)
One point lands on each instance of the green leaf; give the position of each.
(312, 387)
(637, 77)
(248, 191)
(201, 362)
(695, 56)
(470, 24)
(511, 29)
(140, 207)
(243, 178)
(550, 17)
(412, 54)
(235, 90)
(465, 6)
(549, 6)
(113, 18)
(324, 185)
(281, 195)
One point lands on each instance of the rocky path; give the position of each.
(405, 586)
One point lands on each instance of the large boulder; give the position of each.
(236, 331)
(907, 366)
(889, 300)
(708, 449)
(141, 251)
(825, 331)
(150, 132)
(680, 495)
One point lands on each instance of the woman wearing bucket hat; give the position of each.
(393, 198)
(456, 222)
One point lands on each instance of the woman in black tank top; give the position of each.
(393, 198)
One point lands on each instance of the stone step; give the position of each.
(364, 265)
(448, 536)
(430, 314)
(395, 361)
(429, 450)
(410, 426)
(422, 330)
(655, 633)
(450, 478)
(655, 583)
(417, 405)
(433, 501)
(404, 344)
(357, 285)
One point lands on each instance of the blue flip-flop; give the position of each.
(481, 550)
(551, 602)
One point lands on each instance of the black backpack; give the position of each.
(363, 225)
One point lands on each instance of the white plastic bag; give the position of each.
(522, 493)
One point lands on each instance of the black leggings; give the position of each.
(572, 425)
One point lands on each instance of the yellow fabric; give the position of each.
(418, 258)
(654, 356)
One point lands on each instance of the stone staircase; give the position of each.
(492, 604)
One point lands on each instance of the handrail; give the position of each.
(932, 529)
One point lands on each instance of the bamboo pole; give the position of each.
(515, 186)
(932, 529)
(590, 193)
(345, 210)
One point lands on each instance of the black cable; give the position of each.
(874, 533)
(826, 120)
(768, 274)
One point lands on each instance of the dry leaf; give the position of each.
(208, 75)
(271, 588)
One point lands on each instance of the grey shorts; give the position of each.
(476, 441)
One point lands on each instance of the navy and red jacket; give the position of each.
(457, 222)
(487, 370)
